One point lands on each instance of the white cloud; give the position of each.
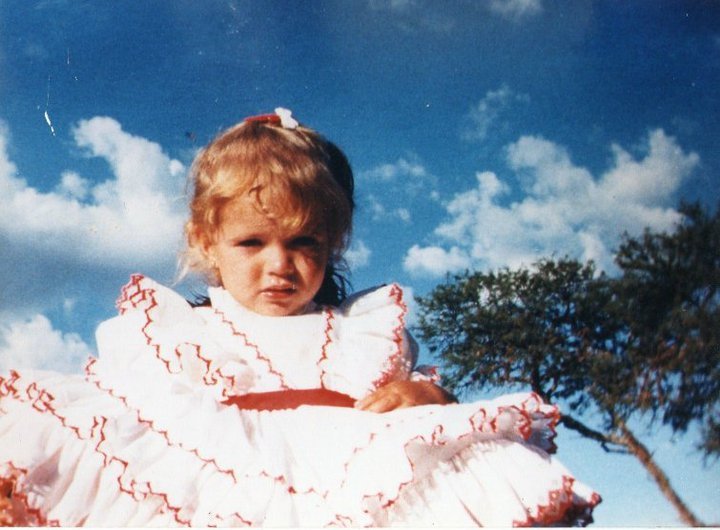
(392, 5)
(358, 255)
(652, 180)
(403, 168)
(412, 16)
(33, 343)
(6, 166)
(515, 9)
(546, 169)
(378, 211)
(73, 186)
(564, 210)
(434, 261)
(133, 218)
(403, 214)
(488, 110)
(404, 181)
(375, 207)
(69, 305)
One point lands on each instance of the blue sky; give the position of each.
(483, 134)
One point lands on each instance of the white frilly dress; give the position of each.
(147, 436)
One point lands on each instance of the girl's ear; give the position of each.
(201, 240)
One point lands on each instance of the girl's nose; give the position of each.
(279, 260)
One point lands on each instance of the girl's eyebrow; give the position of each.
(242, 233)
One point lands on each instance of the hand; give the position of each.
(402, 394)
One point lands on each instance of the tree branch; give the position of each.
(592, 434)
(638, 449)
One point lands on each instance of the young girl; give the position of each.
(260, 406)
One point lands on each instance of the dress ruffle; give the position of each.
(145, 440)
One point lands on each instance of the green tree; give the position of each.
(644, 343)
(676, 344)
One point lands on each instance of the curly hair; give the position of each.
(295, 176)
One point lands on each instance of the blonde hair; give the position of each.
(295, 176)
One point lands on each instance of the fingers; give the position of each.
(434, 394)
(381, 400)
(402, 394)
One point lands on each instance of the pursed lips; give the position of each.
(279, 290)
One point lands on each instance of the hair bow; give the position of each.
(282, 117)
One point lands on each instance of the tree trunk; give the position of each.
(641, 452)
(635, 447)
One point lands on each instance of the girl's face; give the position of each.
(269, 269)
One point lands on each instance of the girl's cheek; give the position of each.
(320, 258)
(314, 255)
(243, 253)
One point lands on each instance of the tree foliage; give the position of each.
(671, 306)
(643, 342)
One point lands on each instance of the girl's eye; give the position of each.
(305, 241)
(248, 243)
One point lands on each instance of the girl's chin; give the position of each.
(279, 308)
(277, 311)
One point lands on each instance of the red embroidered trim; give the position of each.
(532, 405)
(212, 461)
(435, 440)
(144, 294)
(93, 378)
(393, 364)
(33, 516)
(133, 295)
(329, 318)
(478, 422)
(258, 354)
(128, 292)
(41, 400)
(561, 508)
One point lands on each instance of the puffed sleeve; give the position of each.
(369, 345)
(159, 341)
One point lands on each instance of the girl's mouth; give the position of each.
(280, 291)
